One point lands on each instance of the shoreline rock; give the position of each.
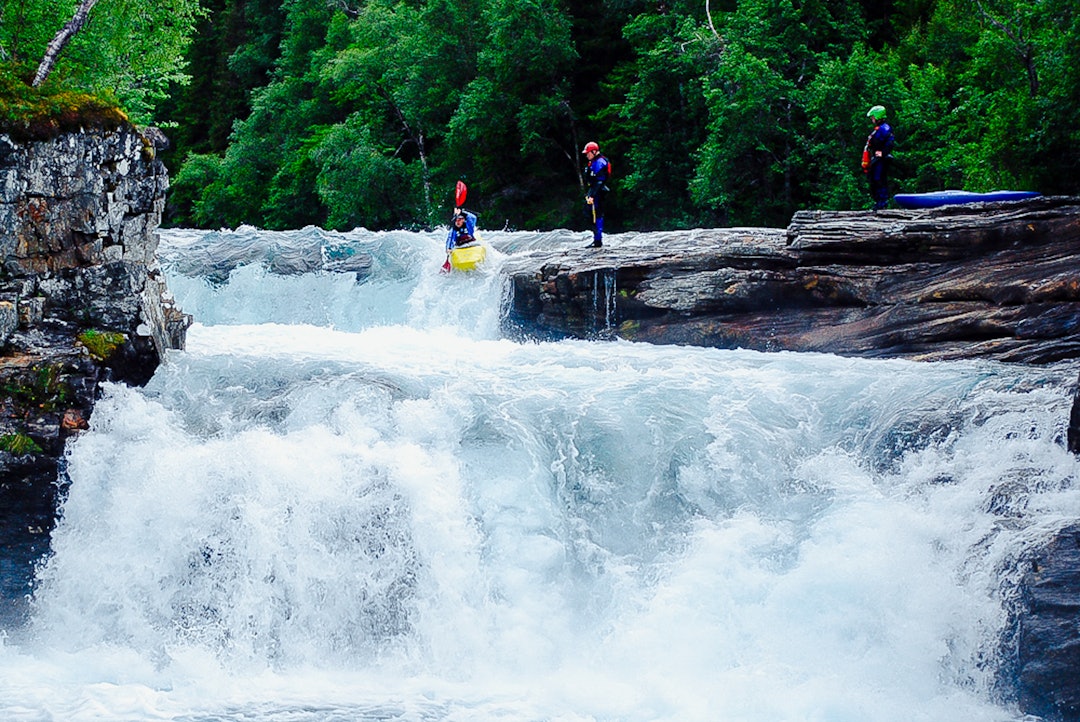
(988, 280)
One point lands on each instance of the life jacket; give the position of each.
(462, 237)
(609, 166)
(886, 150)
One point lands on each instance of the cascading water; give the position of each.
(349, 499)
(604, 289)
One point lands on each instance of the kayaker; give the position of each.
(462, 230)
(462, 233)
(877, 156)
(597, 173)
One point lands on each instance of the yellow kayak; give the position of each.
(467, 258)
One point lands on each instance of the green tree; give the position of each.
(234, 49)
(130, 49)
(363, 185)
(516, 113)
(661, 117)
(719, 112)
(753, 162)
(266, 177)
(399, 76)
(986, 88)
(189, 194)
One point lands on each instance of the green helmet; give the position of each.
(877, 112)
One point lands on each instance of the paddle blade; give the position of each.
(460, 193)
(446, 266)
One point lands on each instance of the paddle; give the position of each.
(460, 193)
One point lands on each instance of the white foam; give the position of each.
(294, 521)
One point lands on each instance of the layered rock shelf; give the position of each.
(994, 281)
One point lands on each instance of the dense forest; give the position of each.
(347, 113)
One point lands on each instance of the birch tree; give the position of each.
(130, 50)
(63, 37)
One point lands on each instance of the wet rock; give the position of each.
(988, 280)
(1048, 655)
(1074, 422)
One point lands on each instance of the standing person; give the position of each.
(877, 155)
(597, 172)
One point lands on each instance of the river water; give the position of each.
(350, 499)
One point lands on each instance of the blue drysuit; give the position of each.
(596, 174)
(880, 141)
(464, 235)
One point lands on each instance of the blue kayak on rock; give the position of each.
(948, 198)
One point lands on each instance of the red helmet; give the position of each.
(590, 146)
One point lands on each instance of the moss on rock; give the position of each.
(101, 344)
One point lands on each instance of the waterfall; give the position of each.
(351, 498)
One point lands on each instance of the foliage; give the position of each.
(354, 113)
(386, 75)
(28, 113)
(233, 51)
(360, 184)
(192, 203)
(518, 103)
(101, 344)
(44, 388)
(130, 50)
(265, 177)
(659, 123)
(755, 162)
(19, 444)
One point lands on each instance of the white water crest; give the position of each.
(350, 499)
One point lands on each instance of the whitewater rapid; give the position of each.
(350, 499)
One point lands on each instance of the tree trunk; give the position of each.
(61, 40)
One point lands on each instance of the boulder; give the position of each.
(1048, 645)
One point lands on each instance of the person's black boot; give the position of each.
(597, 243)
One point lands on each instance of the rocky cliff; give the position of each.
(82, 301)
(1047, 641)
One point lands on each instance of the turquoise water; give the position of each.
(350, 499)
